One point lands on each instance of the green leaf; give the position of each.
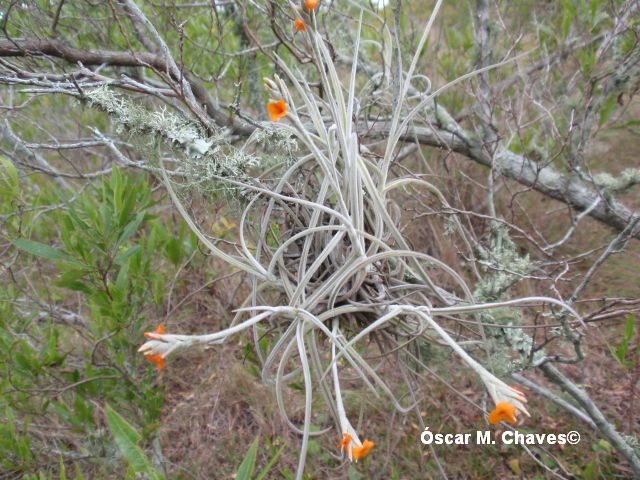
(41, 250)
(131, 228)
(127, 253)
(587, 60)
(607, 110)
(117, 181)
(63, 472)
(589, 472)
(245, 471)
(566, 24)
(602, 446)
(629, 124)
(122, 280)
(9, 176)
(620, 353)
(79, 475)
(173, 248)
(628, 329)
(270, 464)
(127, 439)
(74, 280)
(353, 473)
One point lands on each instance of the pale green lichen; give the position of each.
(203, 171)
(633, 442)
(450, 225)
(207, 158)
(277, 146)
(135, 119)
(503, 265)
(619, 184)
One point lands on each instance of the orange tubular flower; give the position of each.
(361, 452)
(157, 359)
(311, 4)
(276, 110)
(298, 25)
(503, 411)
(344, 443)
(159, 330)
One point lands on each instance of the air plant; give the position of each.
(340, 272)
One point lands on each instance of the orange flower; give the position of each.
(277, 110)
(298, 25)
(157, 359)
(159, 330)
(503, 411)
(361, 452)
(311, 4)
(344, 443)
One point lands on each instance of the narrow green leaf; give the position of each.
(9, 175)
(607, 109)
(271, 463)
(620, 353)
(127, 439)
(628, 329)
(74, 280)
(245, 471)
(41, 250)
(127, 253)
(629, 124)
(63, 472)
(131, 228)
(173, 249)
(79, 474)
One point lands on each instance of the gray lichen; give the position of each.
(503, 265)
(206, 158)
(620, 184)
(277, 141)
(135, 119)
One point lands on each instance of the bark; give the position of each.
(545, 179)
(569, 189)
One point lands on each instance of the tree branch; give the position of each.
(55, 48)
(545, 179)
(606, 428)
